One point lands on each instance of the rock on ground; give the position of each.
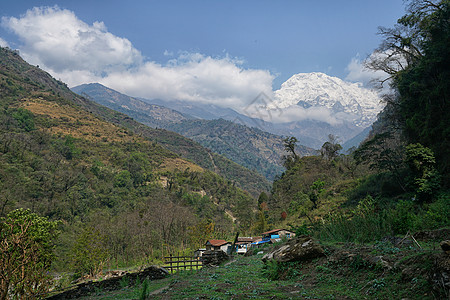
(298, 249)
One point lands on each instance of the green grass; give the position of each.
(345, 277)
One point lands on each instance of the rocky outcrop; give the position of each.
(299, 249)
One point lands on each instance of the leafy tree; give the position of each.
(289, 146)
(260, 225)
(426, 179)
(89, 254)
(315, 189)
(201, 232)
(330, 149)
(25, 118)
(384, 152)
(416, 54)
(263, 198)
(123, 179)
(26, 254)
(68, 148)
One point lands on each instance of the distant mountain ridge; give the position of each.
(250, 147)
(328, 105)
(347, 109)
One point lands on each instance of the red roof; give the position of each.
(216, 243)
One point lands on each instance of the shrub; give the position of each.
(364, 224)
(89, 253)
(436, 214)
(403, 217)
(26, 254)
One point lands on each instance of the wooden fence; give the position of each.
(182, 262)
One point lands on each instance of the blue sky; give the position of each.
(182, 46)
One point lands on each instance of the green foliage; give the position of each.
(436, 214)
(261, 223)
(426, 179)
(124, 282)
(115, 184)
(302, 230)
(315, 189)
(403, 217)
(384, 152)
(201, 232)
(262, 198)
(123, 179)
(290, 159)
(89, 253)
(26, 254)
(68, 148)
(25, 119)
(363, 225)
(330, 149)
(272, 269)
(144, 292)
(421, 40)
(301, 203)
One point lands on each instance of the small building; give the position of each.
(277, 234)
(244, 243)
(217, 245)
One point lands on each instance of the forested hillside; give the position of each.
(112, 182)
(250, 147)
(398, 179)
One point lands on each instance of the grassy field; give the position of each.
(377, 271)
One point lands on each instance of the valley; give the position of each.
(321, 189)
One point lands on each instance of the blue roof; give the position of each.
(260, 242)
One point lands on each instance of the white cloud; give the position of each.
(57, 39)
(77, 53)
(298, 113)
(357, 72)
(3, 43)
(194, 77)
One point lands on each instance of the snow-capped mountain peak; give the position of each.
(320, 90)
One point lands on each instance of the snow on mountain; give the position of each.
(346, 101)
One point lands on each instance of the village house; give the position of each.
(275, 234)
(244, 243)
(217, 245)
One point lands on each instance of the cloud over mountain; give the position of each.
(77, 53)
(3, 43)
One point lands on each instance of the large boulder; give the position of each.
(301, 248)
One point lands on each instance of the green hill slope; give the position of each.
(187, 148)
(250, 147)
(67, 158)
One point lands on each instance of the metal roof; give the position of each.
(216, 243)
